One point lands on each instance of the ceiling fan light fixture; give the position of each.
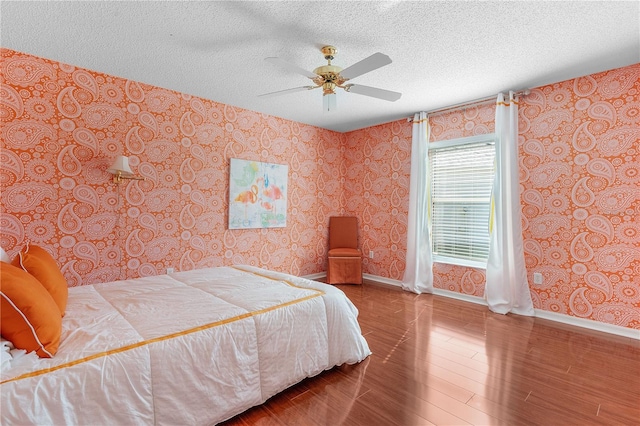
(329, 102)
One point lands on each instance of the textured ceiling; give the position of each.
(443, 52)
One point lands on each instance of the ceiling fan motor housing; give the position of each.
(328, 75)
(328, 70)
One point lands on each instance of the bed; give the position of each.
(194, 347)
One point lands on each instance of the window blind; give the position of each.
(461, 181)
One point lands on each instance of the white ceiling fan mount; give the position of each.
(329, 77)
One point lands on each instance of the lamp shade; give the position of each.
(121, 165)
(329, 102)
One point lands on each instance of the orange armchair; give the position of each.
(345, 258)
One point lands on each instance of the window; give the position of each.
(460, 199)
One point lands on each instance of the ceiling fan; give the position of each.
(329, 77)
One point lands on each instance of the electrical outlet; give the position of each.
(170, 270)
(537, 278)
(370, 254)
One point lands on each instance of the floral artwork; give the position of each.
(257, 195)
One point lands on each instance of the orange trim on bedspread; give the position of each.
(289, 283)
(173, 335)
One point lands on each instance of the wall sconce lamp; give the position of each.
(121, 170)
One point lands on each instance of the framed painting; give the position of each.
(257, 194)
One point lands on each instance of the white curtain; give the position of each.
(418, 275)
(507, 288)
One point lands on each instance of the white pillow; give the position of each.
(4, 257)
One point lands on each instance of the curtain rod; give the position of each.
(461, 105)
(474, 102)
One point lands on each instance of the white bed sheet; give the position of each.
(195, 347)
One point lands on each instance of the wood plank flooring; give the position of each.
(447, 362)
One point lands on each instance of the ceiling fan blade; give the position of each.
(291, 67)
(374, 92)
(371, 63)
(284, 92)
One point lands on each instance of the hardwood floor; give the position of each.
(447, 362)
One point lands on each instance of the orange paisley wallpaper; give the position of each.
(377, 168)
(580, 174)
(62, 126)
(579, 146)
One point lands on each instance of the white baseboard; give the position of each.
(382, 280)
(539, 313)
(590, 324)
(315, 276)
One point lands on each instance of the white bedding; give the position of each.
(195, 347)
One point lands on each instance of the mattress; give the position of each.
(194, 347)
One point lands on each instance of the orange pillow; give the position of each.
(39, 263)
(30, 317)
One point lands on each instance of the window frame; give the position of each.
(489, 139)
